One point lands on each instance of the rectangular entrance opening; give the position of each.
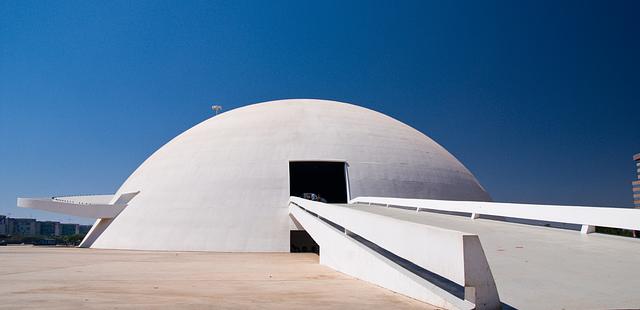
(326, 180)
(318, 180)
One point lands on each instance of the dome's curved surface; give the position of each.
(223, 185)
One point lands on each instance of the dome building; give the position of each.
(224, 184)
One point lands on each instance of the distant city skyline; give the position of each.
(26, 227)
(538, 99)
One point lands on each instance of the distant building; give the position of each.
(31, 227)
(48, 228)
(4, 225)
(22, 226)
(636, 183)
(69, 229)
(84, 229)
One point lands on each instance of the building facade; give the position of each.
(31, 227)
(636, 183)
(22, 226)
(48, 228)
(3, 225)
(69, 229)
(84, 229)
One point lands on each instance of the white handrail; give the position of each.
(91, 206)
(588, 217)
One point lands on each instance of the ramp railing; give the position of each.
(587, 217)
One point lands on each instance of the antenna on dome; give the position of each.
(216, 108)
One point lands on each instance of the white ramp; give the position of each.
(537, 267)
(442, 267)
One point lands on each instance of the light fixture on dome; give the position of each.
(216, 108)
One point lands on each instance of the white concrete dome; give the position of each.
(223, 185)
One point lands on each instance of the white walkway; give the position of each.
(547, 268)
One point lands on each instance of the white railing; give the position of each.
(453, 255)
(90, 206)
(84, 199)
(588, 217)
(74, 200)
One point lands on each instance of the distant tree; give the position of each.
(73, 239)
(30, 239)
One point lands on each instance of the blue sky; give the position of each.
(539, 99)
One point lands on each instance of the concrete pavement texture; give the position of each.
(74, 278)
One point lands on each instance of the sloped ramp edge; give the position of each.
(340, 251)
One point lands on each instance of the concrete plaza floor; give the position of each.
(73, 278)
